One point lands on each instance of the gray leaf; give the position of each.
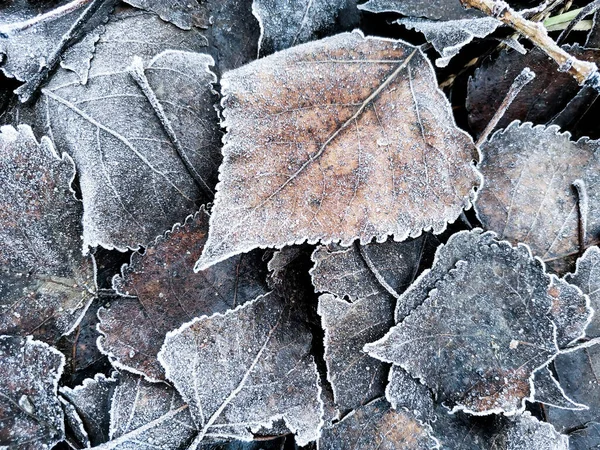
(437, 10)
(526, 432)
(46, 284)
(587, 278)
(74, 425)
(548, 391)
(403, 391)
(178, 12)
(32, 416)
(246, 369)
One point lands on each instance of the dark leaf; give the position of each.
(74, 426)
(182, 13)
(46, 284)
(438, 10)
(548, 391)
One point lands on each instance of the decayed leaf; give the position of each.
(46, 284)
(547, 390)
(376, 426)
(244, 370)
(32, 46)
(144, 137)
(526, 432)
(484, 324)
(148, 415)
(179, 12)
(92, 400)
(160, 292)
(381, 156)
(438, 10)
(587, 278)
(528, 194)
(31, 416)
(285, 24)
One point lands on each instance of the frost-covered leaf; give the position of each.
(179, 12)
(92, 400)
(403, 391)
(31, 46)
(437, 10)
(528, 194)
(46, 284)
(525, 432)
(143, 135)
(161, 291)
(449, 37)
(148, 415)
(340, 139)
(587, 278)
(244, 370)
(31, 416)
(484, 324)
(545, 97)
(74, 425)
(547, 390)
(287, 23)
(376, 426)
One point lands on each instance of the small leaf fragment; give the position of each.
(547, 390)
(587, 278)
(438, 10)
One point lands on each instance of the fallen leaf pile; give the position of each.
(266, 224)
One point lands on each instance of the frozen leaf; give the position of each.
(587, 278)
(376, 426)
(526, 432)
(437, 10)
(74, 425)
(161, 291)
(403, 391)
(529, 196)
(31, 416)
(148, 415)
(484, 325)
(34, 37)
(245, 369)
(145, 139)
(178, 12)
(546, 96)
(548, 391)
(92, 400)
(449, 37)
(287, 23)
(46, 284)
(362, 271)
(340, 139)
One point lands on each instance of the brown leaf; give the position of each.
(340, 139)
(528, 194)
(160, 292)
(46, 284)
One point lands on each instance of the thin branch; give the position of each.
(583, 208)
(586, 73)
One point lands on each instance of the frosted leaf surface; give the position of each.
(161, 291)
(46, 284)
(528, 194)
(244, 370)
(437, 10)
(355, 377)
(145, 139)
(548, 391)
(587, 278)
(324, 140)
(92, 400)
(376, 426)
(178, 12)
(148, 415)
(449, 37)
(31, 52)
(74, 425)
(403, 391)
(482, 327)
(31, 416)
(287, 23)
(361, 271)
(526, 432)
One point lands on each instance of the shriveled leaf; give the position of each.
(179, 12)
(285, 24)
(317, 162)
(376, 426)
(32, 46)
(143, 135)
(526, 432)
(484, 324)
(545, 97)
(46, 284)
(160, 291)
(438, 10)
(148, 415)
(243, 370)
(528, 194)
(92, 400)
(31, 416)
(547, 390)
(587, 278)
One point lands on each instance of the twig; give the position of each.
(586, 73)
(583, 208)
(589, 9)
(520, 82)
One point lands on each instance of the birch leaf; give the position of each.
(244, 370)
(528, 195)
(145, 139)
(381, 156)
(46, 284)
(31, 416)
(160, 291)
